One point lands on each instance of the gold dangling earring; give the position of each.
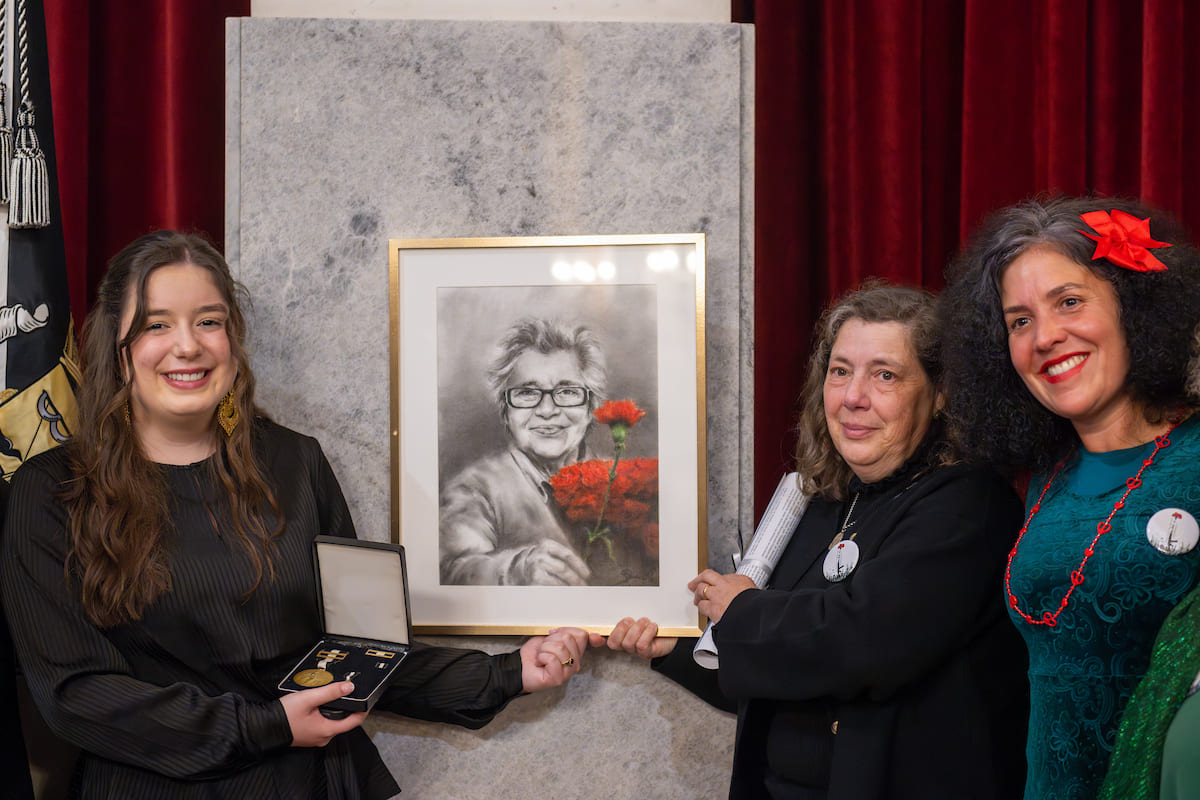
(128, 420)
(227, 413)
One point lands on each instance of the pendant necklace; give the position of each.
(842, 557)
(1050, 619)
(844, 553)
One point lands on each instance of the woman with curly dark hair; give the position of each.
(1070, 335)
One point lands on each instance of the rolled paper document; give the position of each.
(772, 535)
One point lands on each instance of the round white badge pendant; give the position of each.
(1173, 531)
(840, 561)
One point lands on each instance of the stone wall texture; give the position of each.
(343, 134)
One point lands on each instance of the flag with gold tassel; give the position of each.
(39, 362)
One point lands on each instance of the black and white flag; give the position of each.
(39, 363)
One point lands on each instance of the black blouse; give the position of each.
(183, 703)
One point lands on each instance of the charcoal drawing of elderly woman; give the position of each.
(499, 524)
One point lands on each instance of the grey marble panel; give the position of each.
(345, 133)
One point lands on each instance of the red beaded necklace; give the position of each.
(1051, 619)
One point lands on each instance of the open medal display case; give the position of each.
(363, 596)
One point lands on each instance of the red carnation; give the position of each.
(619, 416)
(624, 492)
(579, 489)
(637, 477)
(622, 496)
(619, 412)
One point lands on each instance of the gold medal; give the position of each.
(313, 677)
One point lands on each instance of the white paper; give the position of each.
(772, 535)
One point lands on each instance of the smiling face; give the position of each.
(1065, 339)
(548, 434)
(182, 363)
(878, 400)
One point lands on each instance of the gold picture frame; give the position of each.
(470, 457)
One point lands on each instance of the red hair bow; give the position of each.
(1124, 240)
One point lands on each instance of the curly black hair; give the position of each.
(992, 416)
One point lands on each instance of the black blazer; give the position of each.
(904, 680)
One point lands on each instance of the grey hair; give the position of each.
(1051, 225)
(547, 336)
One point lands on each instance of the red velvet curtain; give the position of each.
(139, 119)
(886, 129)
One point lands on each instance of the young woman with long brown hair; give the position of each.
(157, 570)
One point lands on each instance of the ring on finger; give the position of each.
(704, 594)
(570, 660)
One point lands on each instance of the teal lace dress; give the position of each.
(1083, 670)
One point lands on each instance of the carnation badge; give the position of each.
(613, 496)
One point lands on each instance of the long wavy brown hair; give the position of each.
(117, 501)
(822, 469)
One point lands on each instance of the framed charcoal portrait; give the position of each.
(548, 430)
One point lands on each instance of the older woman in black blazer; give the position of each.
(878, 662)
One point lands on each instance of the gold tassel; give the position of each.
(227, 413)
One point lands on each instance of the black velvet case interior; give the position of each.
(363, 591)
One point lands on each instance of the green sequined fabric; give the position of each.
(1136, 765)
